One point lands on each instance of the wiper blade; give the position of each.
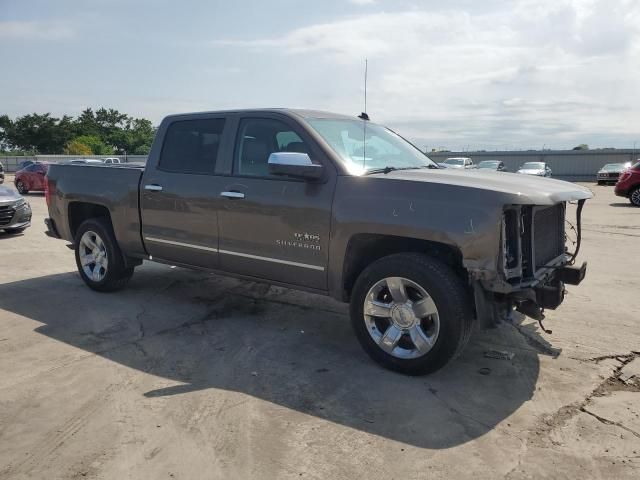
(386, 170)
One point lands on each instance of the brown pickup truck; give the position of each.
(332, 205)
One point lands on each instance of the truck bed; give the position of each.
(113, 187)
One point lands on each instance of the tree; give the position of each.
(582, 146)
(74, 147)
(94, 144)
(39, 132)
(103, 131)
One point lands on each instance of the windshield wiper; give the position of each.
(386, 170)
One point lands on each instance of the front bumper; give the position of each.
(13, 218)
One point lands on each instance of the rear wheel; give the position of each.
(21, 187)
(634, 198)
(98, 257)
(411, 313)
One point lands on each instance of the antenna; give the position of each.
(366, 65)
(364, 115)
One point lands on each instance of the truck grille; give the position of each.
(6, 214)
(548, 234)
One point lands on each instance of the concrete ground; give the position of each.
(189, 375)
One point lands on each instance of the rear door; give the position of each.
(179, 197)
(275, 227)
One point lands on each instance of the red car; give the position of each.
(629, 184)
(31, 177)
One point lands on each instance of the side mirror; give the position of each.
(294, 164)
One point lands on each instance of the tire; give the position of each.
(634, 197)
(112, 272)
(13, 231)
(600, 183)
(448, 330)
(21, 187)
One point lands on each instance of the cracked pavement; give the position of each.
(188, 375)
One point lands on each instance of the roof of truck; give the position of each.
(303, 113)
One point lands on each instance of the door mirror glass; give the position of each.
(294, 164)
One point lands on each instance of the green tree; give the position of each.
(582, 146)
(94, 144)
(41, 133)
(75, 147)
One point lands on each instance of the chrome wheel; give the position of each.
(20, 187)
(635, 197)
(93, 256)
(401, 317)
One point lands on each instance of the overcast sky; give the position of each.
(456, 73)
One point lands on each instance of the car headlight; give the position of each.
(20, 203)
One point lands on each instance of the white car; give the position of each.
(111, 160)
(540, 169)
(459, 162)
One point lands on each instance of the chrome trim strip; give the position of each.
(180, 244)
(237, 254)
(274, 260)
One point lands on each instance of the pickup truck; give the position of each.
(334, 205)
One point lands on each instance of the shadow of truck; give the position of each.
(289, 348)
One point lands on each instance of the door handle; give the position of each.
(153, 187)
(232, 194)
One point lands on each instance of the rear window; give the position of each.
(191, 146)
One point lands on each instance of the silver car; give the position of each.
(459, 162)
(540, 169)
(15, 212)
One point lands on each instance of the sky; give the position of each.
(455, 74)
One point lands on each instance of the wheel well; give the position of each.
(364, 249)
(80, 211)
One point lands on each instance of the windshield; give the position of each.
(533, 166)
(613, 166)
(487, 164)
(366, 146)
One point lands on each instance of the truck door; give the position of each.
(275, 227)
(179, 199)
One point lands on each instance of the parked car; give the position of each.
(610, 173)
(84, 161)
(496, 165)
(541, 169)
(285, 197)
(111, 160)
(629, 184)
(32, 177)
(15, 212)
(1, 173)
(459, 162)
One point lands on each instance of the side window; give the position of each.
(191, 146)
(259, 138)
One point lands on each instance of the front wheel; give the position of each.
(634, 198)
(22, 187)
(411, 313)
(98, 257)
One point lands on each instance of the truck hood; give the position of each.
(523, 189)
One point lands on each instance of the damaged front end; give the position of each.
(535, 263)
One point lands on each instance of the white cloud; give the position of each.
(556, 70)
(34, 30)
(362, 2)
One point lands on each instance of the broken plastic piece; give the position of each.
(499, 354)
